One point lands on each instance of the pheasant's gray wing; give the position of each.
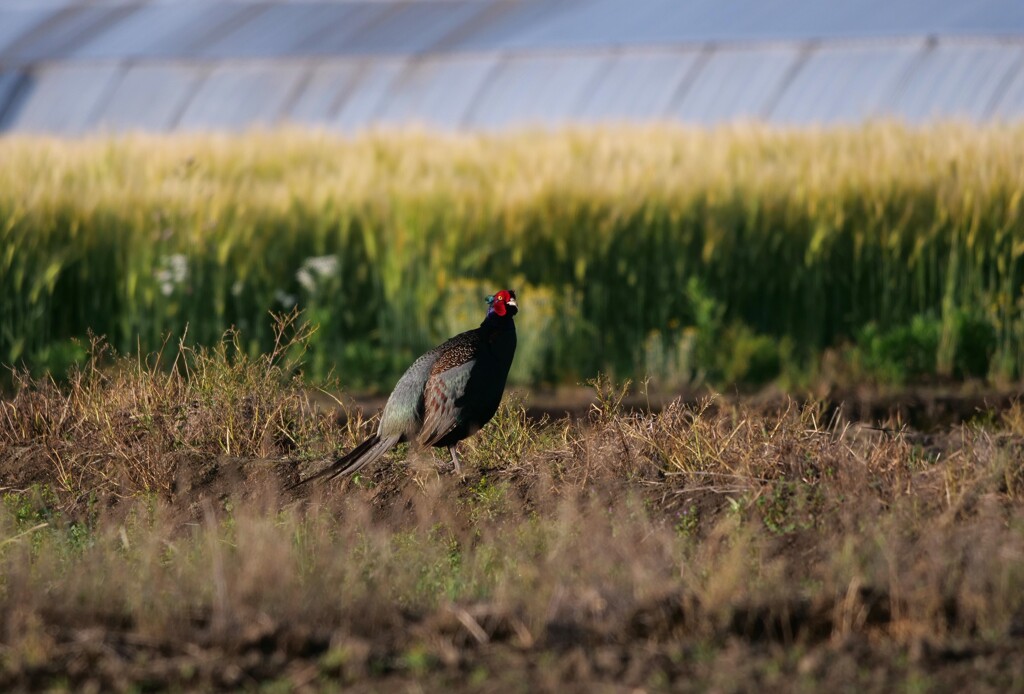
(441, 406)
(403, 412)
(447, 383)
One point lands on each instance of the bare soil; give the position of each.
(924, 408)
(961, 486)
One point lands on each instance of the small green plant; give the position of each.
(418, 660)
(510, 436)
(789, 506)
(609, 395)
(902, 353)
(961, 345)
(488, 498)
(687, 522)
(747, 358)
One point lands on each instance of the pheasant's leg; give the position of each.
(455, 460)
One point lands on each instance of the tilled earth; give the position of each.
(860, 640)
(780, 648)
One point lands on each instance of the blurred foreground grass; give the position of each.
(739, 255)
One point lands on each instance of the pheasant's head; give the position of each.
(503, 303)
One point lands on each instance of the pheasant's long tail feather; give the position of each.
(366, 457)
(359, 457)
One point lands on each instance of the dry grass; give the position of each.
(145, 543)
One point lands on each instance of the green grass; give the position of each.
(736, 255)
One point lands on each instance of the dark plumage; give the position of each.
(447, 394)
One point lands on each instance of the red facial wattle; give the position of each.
(499, 302)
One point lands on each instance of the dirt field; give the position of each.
(147, 543)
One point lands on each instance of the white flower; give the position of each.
(285, 299)
(323, 265)
(173, 272)
(178, 266)
(305, 278)
(315, 269)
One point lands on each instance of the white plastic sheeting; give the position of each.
(843, 83)
(63, 98)
(72, 66)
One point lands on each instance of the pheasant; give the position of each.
(446, 395)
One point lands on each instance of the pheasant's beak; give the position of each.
(512, 303)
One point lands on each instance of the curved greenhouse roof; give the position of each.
(71, 67)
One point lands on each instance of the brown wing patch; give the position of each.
(439, 419)
(436, 398)
(459, 350)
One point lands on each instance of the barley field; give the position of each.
(742, 255)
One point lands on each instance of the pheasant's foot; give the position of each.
(455, 460)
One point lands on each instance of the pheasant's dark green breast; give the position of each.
(492, 359)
